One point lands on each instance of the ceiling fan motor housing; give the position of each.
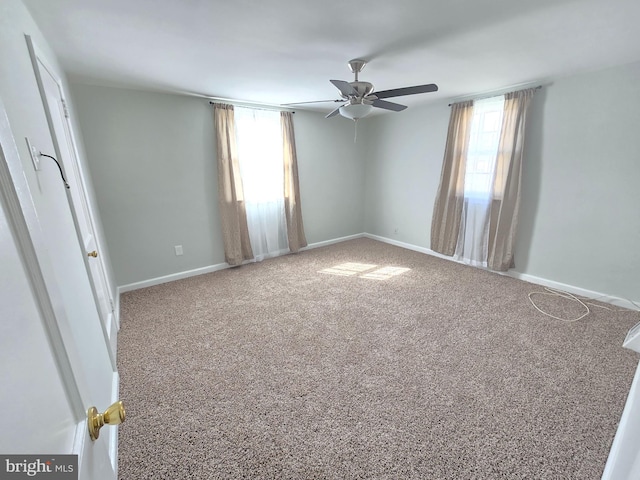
(360, 99)
(363, 88)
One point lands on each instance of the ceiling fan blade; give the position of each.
(398, 92)
(345, 87)
(334, 113)
(315, 101)
(396, 107)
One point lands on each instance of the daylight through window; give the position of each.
(483, 147)
(260, 154)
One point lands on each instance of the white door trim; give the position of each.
(37, 60)
(96, 460)
(22, 217)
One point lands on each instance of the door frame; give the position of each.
(22, 218)
(110, 324)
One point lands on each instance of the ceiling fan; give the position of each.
(360, 97)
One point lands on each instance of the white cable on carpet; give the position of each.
(558, 293)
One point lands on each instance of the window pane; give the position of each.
(492, 121)
(260, 152)
(483, 147)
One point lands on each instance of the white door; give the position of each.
(54, 359)
(66, 150)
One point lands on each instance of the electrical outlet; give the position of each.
(395, 230)
(178, 250)
(35, 155)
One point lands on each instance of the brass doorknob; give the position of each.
(93, 254)
(114, 415)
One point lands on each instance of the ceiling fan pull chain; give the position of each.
(355, 132)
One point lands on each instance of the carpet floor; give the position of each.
(366, 361)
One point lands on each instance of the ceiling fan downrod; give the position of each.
(356, 65)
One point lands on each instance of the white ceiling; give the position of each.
(282, 51)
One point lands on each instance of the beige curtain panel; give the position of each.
(292, 206)
(233, 216)
(447, 212)
(507, 180)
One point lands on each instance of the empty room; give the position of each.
(320, 240)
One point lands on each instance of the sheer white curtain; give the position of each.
(260, 151)
(473, 240)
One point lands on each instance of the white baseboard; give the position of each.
(408, 246)
(332, 241)
(583, 292)
(171, 277)
(603, 297)
(211, 268)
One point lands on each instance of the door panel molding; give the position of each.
(79, 206)
(21, 215)
(18, 206)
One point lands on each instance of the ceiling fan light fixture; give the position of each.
(355, 111)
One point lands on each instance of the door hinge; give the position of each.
(65, 109)
(113, 308)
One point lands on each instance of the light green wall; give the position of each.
(331, 176)
(153, 162)
(152, 158)
(579, 221)
(403, 156)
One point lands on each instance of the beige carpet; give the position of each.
(278, 370)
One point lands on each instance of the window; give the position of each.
(258, 188)
(259, 139)
(483, 164)
(260, 154)
(483, 147)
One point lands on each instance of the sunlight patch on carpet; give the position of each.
(350, 269)
(385, 273)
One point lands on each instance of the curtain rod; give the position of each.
(249, 105)
(494, 95)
